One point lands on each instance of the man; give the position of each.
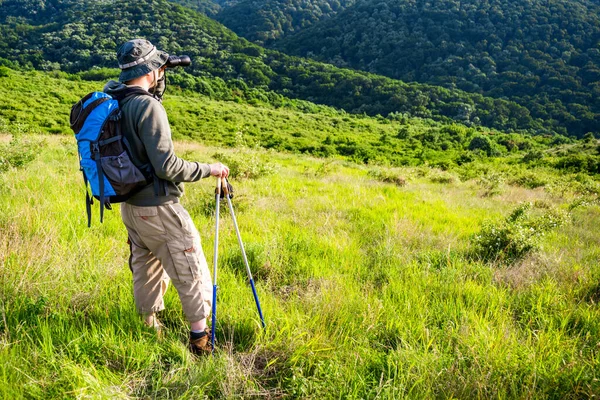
(163, 240)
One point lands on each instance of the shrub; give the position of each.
(324, 169)
(533, 156)
(482, 144)
(247, 166)
(442, 177)
(579, 163)
(492, 184)
(516, 235)
(388, 176)
(529, 180)
(19, 152)
(464, 158)
(589, 137)
(444, 165)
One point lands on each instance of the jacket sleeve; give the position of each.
(154, 131)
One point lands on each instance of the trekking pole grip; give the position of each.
(219, 186)
(225, 187)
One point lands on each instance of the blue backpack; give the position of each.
(104, 153)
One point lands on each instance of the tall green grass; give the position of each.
(369, 289)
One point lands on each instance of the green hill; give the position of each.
(40, 102)
(394, 257)
(543, 55)
(439, 280)
(424, 287)
(73, 36)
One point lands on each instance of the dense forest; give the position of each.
(208, 7)
(544, 55)
(74, 36)
(265, 21)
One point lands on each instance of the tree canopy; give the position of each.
(545, 55)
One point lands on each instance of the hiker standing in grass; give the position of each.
(164, 243)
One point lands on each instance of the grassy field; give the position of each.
(370, 289)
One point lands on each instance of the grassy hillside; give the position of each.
(542, 54)
(40, 102)
(75, 36)
(481, 280)
(370, 289)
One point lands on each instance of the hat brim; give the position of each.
(157, 61)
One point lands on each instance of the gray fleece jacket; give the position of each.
(145, 125)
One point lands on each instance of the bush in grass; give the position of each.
(492, 184)
(533, 156)
(579, 163)
(20, 151)
(247, 166)
(388, 176)
(579, 185)
(324, 169)
(483, 145)
(442, 177)
(516, 235)
(529, 180)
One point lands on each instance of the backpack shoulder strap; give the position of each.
(158, 182)
(82, 109)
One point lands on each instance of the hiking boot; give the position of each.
(200, 344)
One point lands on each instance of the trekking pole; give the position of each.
(214, 299)
(239, 237)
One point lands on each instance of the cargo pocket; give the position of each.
(185, 259)
(183, 218)
(147, 221)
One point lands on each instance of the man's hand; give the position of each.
(218, 169)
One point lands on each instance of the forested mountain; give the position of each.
(78, 35)
(544, 54)
(208, 7)
(263, 21)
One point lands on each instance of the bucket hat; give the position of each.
(138, 57)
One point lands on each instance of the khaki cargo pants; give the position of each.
(165, 245)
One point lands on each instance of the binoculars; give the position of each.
(178, 61)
